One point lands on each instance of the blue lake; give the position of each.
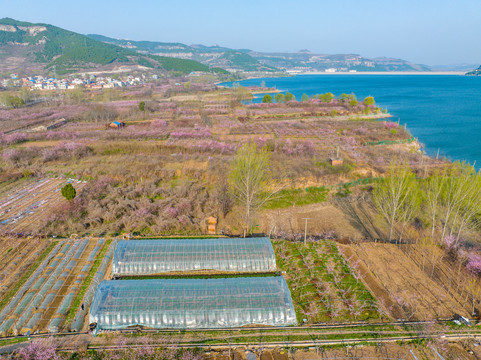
(442, 111)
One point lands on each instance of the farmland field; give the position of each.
(27, 207)
(323, 287)
(44, 294)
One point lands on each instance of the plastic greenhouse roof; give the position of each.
(192, 303)
(153, 257)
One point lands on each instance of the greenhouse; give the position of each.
(192, 303)
(153, 257)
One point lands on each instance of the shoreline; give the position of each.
(414, 73)
(452, 73)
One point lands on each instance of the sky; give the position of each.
(431, 32)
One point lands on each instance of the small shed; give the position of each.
(117, 125)
(336, 161)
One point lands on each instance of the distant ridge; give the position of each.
(214, 56)
(476, 72)
(248, 60)
(39, 47)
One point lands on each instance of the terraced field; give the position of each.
(23, 209)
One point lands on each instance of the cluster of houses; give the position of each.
(85, 81)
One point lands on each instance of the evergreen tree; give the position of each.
(69, 192)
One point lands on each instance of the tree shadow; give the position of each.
(358, 213)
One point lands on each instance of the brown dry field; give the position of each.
(322, 217)
(396, 274)
(351, 219)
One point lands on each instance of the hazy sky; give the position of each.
(432, 32)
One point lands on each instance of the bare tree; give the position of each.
(433, 188)
(249, 180)
(224, 198)
(411, 205)
(475, 289)
(461, 190)
(391, 195)
(469, 208)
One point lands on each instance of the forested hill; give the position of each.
(33, 47)
(476, 72)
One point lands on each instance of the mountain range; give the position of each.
(36, 48)
(249, 60)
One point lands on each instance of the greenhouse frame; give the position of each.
(192, 303)
(224, 255)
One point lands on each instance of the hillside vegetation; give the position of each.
(209, 55)
(69, 51)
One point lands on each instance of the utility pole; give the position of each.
(305, 230)
(56, 80)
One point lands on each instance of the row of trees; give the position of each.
(447, 205)
(279, 98)
(351, 99)
(447, 200)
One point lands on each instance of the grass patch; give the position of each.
(13, 341)
(86, 284)
(288, 197)
(8, 296)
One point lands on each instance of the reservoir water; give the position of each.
(442, 111)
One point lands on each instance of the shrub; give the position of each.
(369, 101)
(474, 264)
(13, 138)
(267, 99)
(69, 192)
(15, 156)
(39, 349)
(391, 125)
